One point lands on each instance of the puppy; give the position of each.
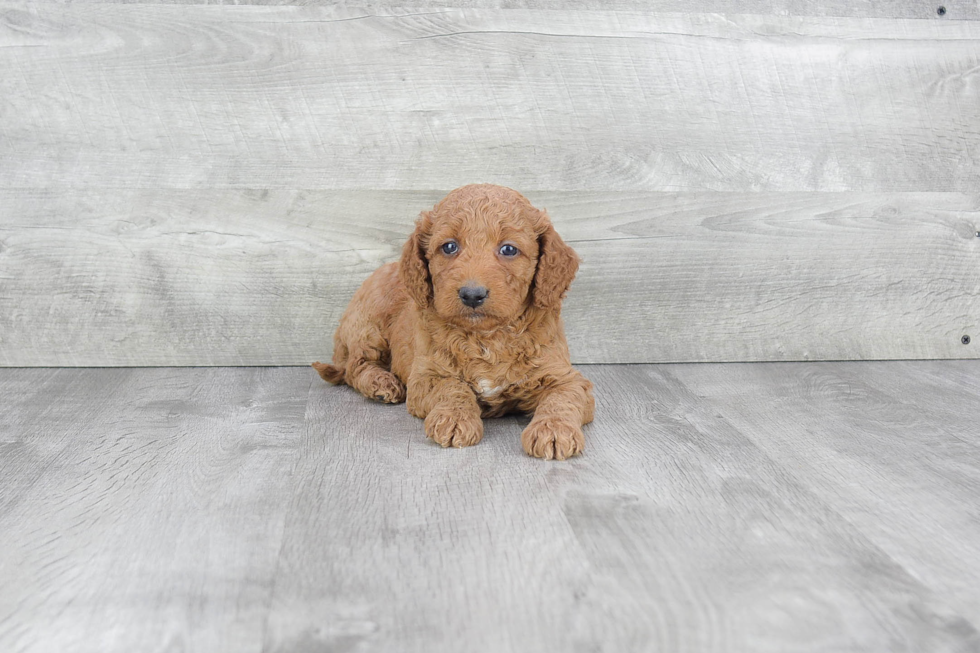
(467, 325)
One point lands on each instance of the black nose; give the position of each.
(473, 296)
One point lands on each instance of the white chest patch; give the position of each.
(486, 390)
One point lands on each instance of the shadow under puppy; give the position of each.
(468, 325)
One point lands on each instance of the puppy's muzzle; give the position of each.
(473, 296)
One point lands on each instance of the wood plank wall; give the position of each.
(188, 184)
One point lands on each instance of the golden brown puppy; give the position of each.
(467, 325)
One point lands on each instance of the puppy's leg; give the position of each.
(362, 353)
(449, 408)
(555, 431)
(366, 371)
(363, 365)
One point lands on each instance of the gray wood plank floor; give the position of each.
(718, 507)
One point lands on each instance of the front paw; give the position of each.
(454, 428)
(552, 438)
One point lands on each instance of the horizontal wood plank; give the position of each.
(228, 277)
(325, 97)
(586, 110)
(955, 10)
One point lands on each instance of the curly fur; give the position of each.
(407, 336)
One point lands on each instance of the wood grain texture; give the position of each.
(143, 510)
(674, 533)
(395, 545)
(893, 448)
(146, 96)
(722, 508)
(150, 157)
(705, 537)
(956, 10)
(228, 277)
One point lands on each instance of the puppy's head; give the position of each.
(483, 255)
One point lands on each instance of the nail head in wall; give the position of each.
(965, 340)
(941, 11)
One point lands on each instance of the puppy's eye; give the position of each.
(450, 248)
(508, 251)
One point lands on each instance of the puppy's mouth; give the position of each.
(474, 318)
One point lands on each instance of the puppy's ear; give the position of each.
(557, 265)
(414, 267)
